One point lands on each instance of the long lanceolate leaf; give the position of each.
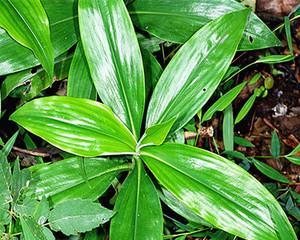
(114, 58)
(74, 177)
(219, 191)
(196, 70)
(138, 211)
(64, 32)
(177, 20)
(79, 126)
(27, 22)
(80, 83)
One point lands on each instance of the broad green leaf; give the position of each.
(243, 142)
(112, 52)
(30, 30)
(80, 83)
(283, 233)
(196, 70)
(66, 179)
(245, 109)
(273, 59)
(78, 215)
(31, 229)
(171, 201)
(64, 32)
(79, 126)
(275, 145)
(228, 129)
(30, 207)
(178, 20)
(270, 172)
(138, 210)
(34, 82)
(156, 134)
(219, 191)
(153, 71)
(223, 102)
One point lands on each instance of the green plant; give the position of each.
(208, 188)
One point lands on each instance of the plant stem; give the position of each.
(266, 157)
(282, 25)
(185, 234)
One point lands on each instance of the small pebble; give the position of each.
(280, 110)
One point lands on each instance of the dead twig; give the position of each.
(31, 153)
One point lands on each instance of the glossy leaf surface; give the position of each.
(30, 30)
(35, 82)
(179, 208)
(64, 33)
(74, 178)
(212, 187)
(178, 20)
(156, 134)
(138, 211)
(196, 71)
(114, 58)
(79, 126)
(80, 83)
(78, 215)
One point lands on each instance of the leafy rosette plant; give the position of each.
(212, 187)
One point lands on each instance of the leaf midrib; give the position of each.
(173, 100)
(32, 32)
(212, 189)
(115, 137)
(138, 162)
(119, 75)
(120, 168)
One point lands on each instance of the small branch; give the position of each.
(30, 152)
